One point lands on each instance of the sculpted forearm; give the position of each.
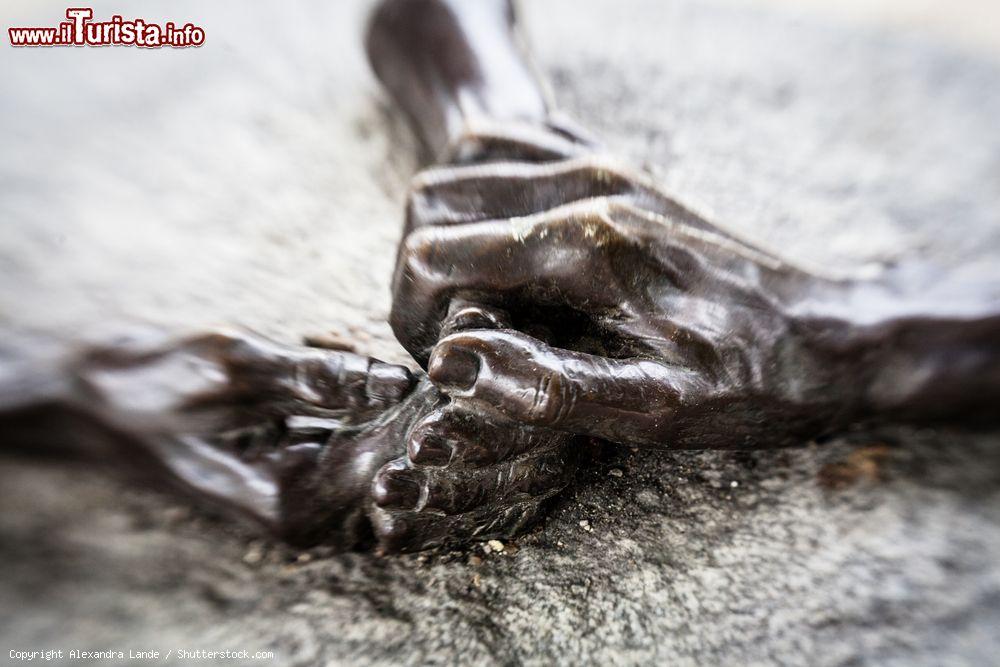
(922, 367)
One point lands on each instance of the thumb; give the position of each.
(629, 401)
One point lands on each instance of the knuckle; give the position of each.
(588, 223)
(418, 248)
(605, 176)
(439, 195)
(552, 399)
(419, 208)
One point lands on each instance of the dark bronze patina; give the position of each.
(290, 436)
(635, 319)
(552, 293)
(631, 317)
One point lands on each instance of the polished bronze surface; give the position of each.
(634, 318)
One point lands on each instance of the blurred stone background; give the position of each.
(258, 181)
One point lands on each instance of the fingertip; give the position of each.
(426, 448)
(466, 316)
(453, 367)
(396, 487)
(388, 382)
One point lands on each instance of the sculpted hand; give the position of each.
(651, 326)
(290, 435)
(469, 473)
(456, 70)
(630, 317)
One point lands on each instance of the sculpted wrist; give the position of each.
(916, 363)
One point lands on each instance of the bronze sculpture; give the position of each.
(552, 292)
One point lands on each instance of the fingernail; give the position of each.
(396, 488)
(428, 449)
(387, 382)
(468, 317)
(456, 369)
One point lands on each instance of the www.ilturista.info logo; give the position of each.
(79, 30)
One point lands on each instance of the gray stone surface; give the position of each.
(258, 181)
